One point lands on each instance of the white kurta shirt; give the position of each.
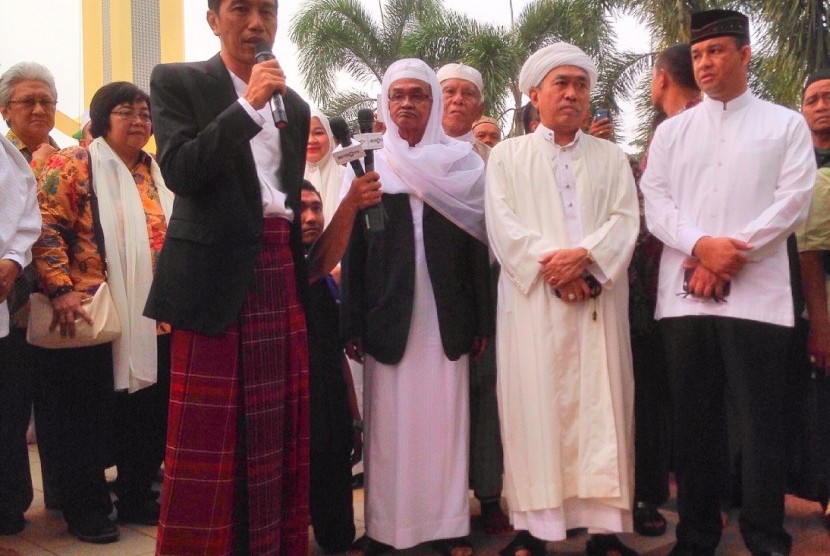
(565, 384)
(744, 169)
(19, 214)
(265, 147)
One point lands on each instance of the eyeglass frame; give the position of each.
(29, 103)
(131, 115)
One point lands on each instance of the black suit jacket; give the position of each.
(215, 232)
(378, 283)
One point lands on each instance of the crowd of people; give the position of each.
(543, 320)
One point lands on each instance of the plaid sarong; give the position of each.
(237, 463)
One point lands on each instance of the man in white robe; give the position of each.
(727, 182)
(416, 301)
(562, 218)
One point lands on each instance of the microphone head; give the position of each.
(262, 52)
(366, 120)
(340, 130)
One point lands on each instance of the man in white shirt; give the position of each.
(727, 182)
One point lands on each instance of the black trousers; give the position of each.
(709, 357)
(332, 513)
(17, 362)
(74, 410)
(652, 419)
(141, 432)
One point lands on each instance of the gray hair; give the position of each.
(24, 71)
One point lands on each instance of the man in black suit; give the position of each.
(416, 300)
(227, 281)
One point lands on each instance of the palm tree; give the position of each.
(335, 35)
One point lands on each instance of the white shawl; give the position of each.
(129, 263)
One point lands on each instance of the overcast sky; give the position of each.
(49, 32)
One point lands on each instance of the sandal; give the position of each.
(648, 522)
(526, 542)
(607, 545)
(459, 546)
(367, 546)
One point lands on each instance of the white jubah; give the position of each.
(417, 418)
(565, 383)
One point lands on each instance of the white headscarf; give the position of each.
(129, 262)
(326, 174)
(444, 172)
(545, 59)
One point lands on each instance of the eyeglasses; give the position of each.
(416, 97)
(129, 115)
(29, 103)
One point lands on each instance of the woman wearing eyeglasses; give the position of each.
(27, 104)
(133, 206)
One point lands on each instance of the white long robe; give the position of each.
(565, 382)
(417, 436)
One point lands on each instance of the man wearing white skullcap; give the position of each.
(462, 88)
(416, 302)
(562, 218)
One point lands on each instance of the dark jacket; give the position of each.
(378, 283)
(215, 232)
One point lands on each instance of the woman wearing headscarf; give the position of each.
(133, 206)
(416, 301)
(321, 170)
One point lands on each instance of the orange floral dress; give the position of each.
(66, 254)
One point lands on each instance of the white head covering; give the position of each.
(545, 59)
(326, 174)
(461, 71)
(444, 172)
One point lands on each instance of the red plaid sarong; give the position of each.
(236, 469)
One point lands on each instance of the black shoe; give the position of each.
(11, 524)
(93, 527)
(605, 545)
(141, 513)
(648, 522)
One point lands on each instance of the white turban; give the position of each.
(460, 71)
(442, 171)
(545, 59)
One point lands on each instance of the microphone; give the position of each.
(374, 218)
(366, 122)
(263, 53)
(340, 131)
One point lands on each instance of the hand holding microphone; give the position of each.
(268, 81)
(374, 217)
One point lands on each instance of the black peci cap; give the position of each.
(717, 23)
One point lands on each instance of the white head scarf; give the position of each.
(545, 59)
(461, 71)
(326, 174)
(443, 172)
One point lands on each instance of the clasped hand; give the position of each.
(65, 309)
(564, 266)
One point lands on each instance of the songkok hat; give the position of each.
(461, 71)
(819, 75)
(486, 120)
(545, 59)
(717, 23)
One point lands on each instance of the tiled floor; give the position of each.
(45, 533)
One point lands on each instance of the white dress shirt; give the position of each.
(19, 214)
(267, 155)
(743, 169)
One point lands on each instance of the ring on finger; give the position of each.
(571, 297)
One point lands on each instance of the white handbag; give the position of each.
(105, 326)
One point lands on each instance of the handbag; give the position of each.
(105, 327)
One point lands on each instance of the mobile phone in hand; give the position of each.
(601, 114)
